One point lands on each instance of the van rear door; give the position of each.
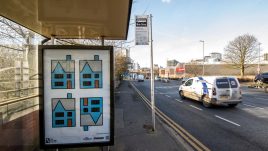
(235, 89)
(223, 89)
(227, 89)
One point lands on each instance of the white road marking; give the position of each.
(167, 96)
(178, 100)
(261, 98)
(227, 120)
(121, 92)
(252, 106)
(167, 87)
(196, 107)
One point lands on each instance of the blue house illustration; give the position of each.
(91, 73)
(62, 73)
(91, 110)
(63, 112)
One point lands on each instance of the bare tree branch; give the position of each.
(241, 52)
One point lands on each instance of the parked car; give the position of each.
(166, 80)
(157, 78)
(263, 77)
(214, 90)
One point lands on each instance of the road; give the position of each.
(243, 128)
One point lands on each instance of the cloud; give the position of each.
(166, 1)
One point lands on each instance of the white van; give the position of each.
(212, 90)
(140, 78)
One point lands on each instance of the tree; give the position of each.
(241, 52)
(120, 64)
(14, 46)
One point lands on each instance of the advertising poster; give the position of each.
(77, 96)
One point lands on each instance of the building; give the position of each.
(162, 72)
(172, 63)
(136, 66)
(213, 58)
(207, 58)
(265, 56)
(216, 55)
(146, 72)
(91, 112)
(63, 112)
(62, 73)
(90, 73)
(197, 61)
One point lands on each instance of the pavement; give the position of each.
(133, 125)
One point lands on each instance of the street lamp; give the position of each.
(203, 56)
(259, 58)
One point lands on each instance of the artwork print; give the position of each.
(91, 110)
(63, 112)
(77, 96)
(90, 73)
(63, 73)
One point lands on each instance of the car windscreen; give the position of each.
(224, 83)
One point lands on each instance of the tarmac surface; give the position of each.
(133, 125)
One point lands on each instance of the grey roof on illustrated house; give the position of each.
(68, 104)
(68, 66)
(87, 120)
(96, 66)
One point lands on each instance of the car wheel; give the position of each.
(259, 83)
(232, 105)
(266, 89)
(181, 94)
(206, 104)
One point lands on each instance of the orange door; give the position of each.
(69, 84)
(96, 83)
(69, 123)
(85, 102)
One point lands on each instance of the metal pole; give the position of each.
(102, 40)
(52, 40)
(102, 148)
(152, 77)
(184, 74)
(53, 43)
(203, 56)
(259, 58)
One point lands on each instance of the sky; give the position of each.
(179, 25)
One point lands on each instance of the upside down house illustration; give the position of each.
(62, 73)
(91, 110)
(63, 112)
(90, 73)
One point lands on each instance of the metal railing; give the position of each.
(17, 102)
(16, 89)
